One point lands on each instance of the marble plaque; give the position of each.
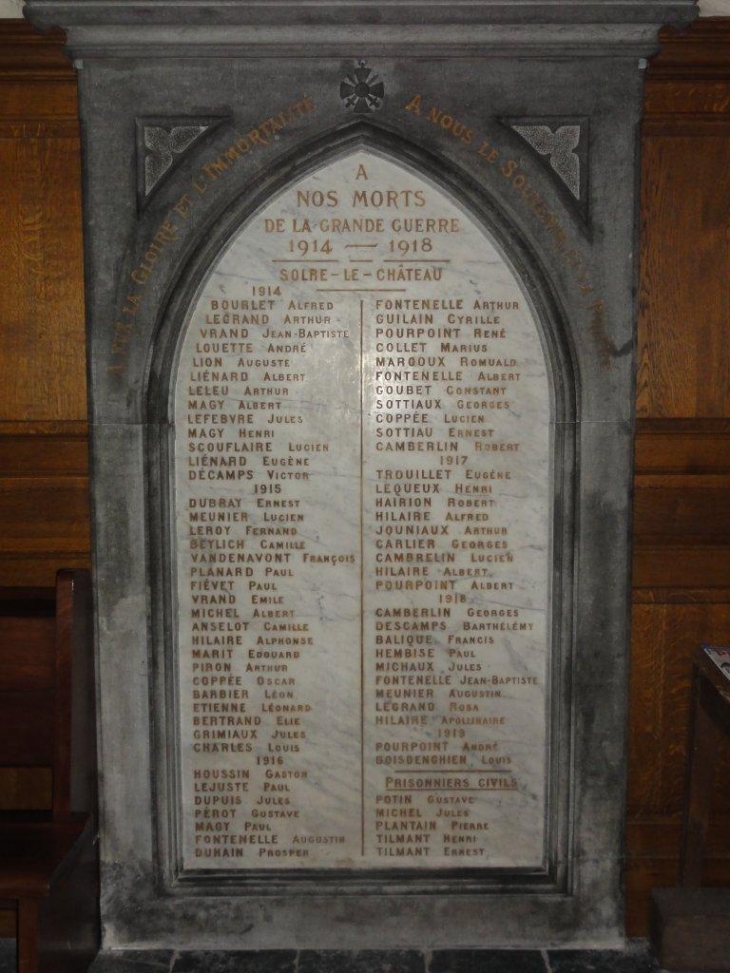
(363, 526)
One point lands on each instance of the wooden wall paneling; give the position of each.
(681, 530)
(34, 669)
(666, 638)
(690, 509)
(696, 446)
(42, 374)
(26, 619)
(44, 518)
(42, 514)
(682, 486)
(30, 788)
(41, 302)
(668, 627)
(684, 342)
(44, 521)
(44, 501)
(684, 364)
(681, 598)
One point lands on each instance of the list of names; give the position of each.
(363, 508)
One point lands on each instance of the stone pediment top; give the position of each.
(233, 27)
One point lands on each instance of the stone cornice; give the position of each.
(176, 28)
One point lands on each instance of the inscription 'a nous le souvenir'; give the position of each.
(363, 518)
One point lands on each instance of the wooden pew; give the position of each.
(49, 858)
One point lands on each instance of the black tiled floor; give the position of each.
(262, 961)
(487, 961)
(148, 961)
(635, 959)
(385, 961)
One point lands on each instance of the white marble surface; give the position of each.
(363, 588)
(714, 8)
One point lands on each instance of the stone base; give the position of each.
(635, 959)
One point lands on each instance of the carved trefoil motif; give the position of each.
(160, 144)
(561, 144)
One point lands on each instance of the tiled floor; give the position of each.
(636, 959)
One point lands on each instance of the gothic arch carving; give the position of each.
(545, 866)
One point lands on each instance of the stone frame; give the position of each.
(556, 346)
(505, 59)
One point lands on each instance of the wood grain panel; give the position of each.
(666, 566)
(684, 342)
(667, 98)
(698, 446)
(681, 596)
(44, 514)
(44, 518)
(693, 56)
(43, 463)
(26, 789)
(39, 106)
(665, 638)
(682, 528)
(33, 666)
(42, 372)
(681, 525)
(652, 837)
(31, 717)
(39, 568)
(666, 634)
(60, 455)
(689, 510)
(662, 871)
(30, 55)
(44, 503)
(42, 375)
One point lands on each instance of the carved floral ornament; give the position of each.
(161, 143)
(559, 145)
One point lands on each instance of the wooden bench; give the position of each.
(690, 924)
(49, 857)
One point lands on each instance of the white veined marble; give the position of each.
(363, 504)
(714, 8)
